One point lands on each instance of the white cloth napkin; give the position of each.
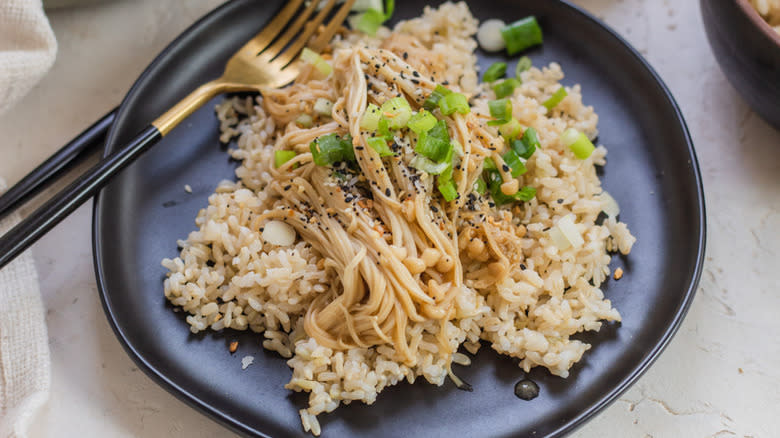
(24, 349)
(27, 48)
(27, 51)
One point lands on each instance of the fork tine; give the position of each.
(291, 31)
(292, 52)
(324, 37)
(262, 40)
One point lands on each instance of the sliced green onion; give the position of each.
(436, 96)
(428, 166)
(422, 121)
(494, 72)
(446, 175)
(370, 120)
(513, 161)
(531, 139)
(347, 149)
(527, 145)
(506, 88)
(609, 205)
(304, 121)
(379, 144)
(457, 148)
(480, 186)
(389, 9)
(555, 99)
(525, 194)
(383, 129)
(317, 61)
(510, 130)
(435, 143)
(521, 35)
(281, 157)
(326, 150)
(397, 111)
(454, 102)
(578, 143)
(501, 110)
(368, 22)
(489, 164)
(323, 107)
(448, 191)
(372, 17)
(565, 233)
(364, 5)
(494, 186)
(330, 149)
(523, 64)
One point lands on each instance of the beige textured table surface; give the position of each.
(720, 376)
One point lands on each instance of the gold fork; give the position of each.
(267, 60)
(263, 61)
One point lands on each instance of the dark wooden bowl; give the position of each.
(748, 51)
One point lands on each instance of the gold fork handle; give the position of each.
(171, 118)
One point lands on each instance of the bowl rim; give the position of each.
(760, 22)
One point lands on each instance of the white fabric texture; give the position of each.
(27, 49)
(25, 366)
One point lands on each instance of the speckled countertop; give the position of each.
(718, 377)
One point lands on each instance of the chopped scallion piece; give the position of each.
(578, 143)
(527, 145)
(555, 99)
(494, 186)
(428, 166)
(317, 61)
(368, 22)
(501, 110)
(372, 17)
(480, 186)
(454, 102)
(506, 88)
(523, 64)
(510, 130)
(347, 149)
(379, 144)
(304, 121)
(457, 148)
(389, 9)
(370, 120)
(435, 143)
(422, 121)
(281, 157)
(383, 129)
(446, 175)
(495, 72)
(397, 111)
(448, 191)
(323, 107)
(513, 161)
(526, 194)
(489, 164)
(436, 96)
(330, 149)
(364, 5)
(521, 35)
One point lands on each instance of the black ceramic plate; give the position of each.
(651, 171)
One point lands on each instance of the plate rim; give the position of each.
(583, 416)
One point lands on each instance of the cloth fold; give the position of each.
(27, 49)
(25, 365)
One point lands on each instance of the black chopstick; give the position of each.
(39, 222)
(89, 141)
